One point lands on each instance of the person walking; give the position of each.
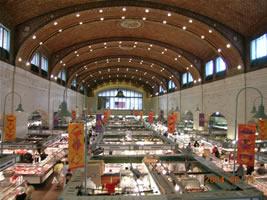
(240, 172)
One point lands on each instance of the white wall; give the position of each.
(34, 92)
(220, 96)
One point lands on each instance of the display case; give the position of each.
(37, 173)
(9, 187)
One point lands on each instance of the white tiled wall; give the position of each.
(220, 96)
(34, 92)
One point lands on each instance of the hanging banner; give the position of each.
(73, 115)
(262, 124)
(141, 115)
(105, 119)
(171, 123)
(76, 145)
(201, 119)
(246, 144)
(98, 126)
(10, 128)
(178, 116)
(151, 117)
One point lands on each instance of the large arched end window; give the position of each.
(120, 99)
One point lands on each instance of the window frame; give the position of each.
(133, 99)
(5, 39)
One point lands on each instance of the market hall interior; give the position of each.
(180, 71)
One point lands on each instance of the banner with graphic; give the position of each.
(262, 124)
(98, 125)
(171, 123)
(246, 144)
(201, 119)
(76, 145)
(151, 117)
(10, 128)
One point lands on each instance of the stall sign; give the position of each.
(246, 144)
(171, 123)
(73, 115)
(98, 126)
(201, 119)
(262, 129)
(10, 128)
(76, 145)
(151, 117)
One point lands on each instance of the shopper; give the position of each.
(29, 189)
(240, 172)
(196, 144)
(261, 170)
(250, 169)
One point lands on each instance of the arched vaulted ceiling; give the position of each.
(132, 40)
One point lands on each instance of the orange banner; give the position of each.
(141, 115)
(246, 144)
(106, 116)
(171, 123)
(178, 117)
(151, 117)
(262, 129)
(76, 145)
(10, 128)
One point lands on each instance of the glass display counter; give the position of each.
(36, 173)
(10, 186)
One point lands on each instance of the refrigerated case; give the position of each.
(37, 173)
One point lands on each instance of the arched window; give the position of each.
(120, 99)
(187, 78)
(161, 90)
(220, 65)
(259, 47)
(171, 85)
(209, 68)
(39, 63)
(4, 38)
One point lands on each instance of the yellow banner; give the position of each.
(263, 129)
(76, 145)
(10, 128)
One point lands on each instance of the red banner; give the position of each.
(262, 129)
(10, 128)
(151, 117)
(201, 119)
(171, 123)
(246, 144)
(76, 145)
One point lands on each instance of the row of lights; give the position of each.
(146, 10)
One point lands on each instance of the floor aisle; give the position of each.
(46, 191)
